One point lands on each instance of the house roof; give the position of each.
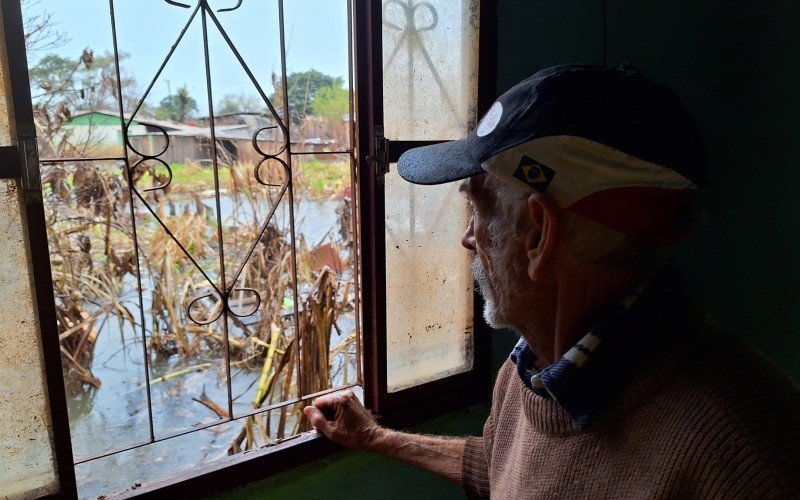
(165, 124)
(234, 113)
(241, 132)
(233, 132)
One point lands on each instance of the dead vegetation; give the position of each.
(287, 349)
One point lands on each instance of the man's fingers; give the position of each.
(342, 418)
(317, 419)
(327, 402)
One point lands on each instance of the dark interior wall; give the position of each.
(736, 66)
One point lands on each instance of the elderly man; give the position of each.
(579, 178)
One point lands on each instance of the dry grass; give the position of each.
(91, 238)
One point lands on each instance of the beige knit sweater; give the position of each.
(707, 419)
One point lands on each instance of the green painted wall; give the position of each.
(97, 119)
(736, 64)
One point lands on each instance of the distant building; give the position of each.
(102, 130)
(252, 119)
(234, 143)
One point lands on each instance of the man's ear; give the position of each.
(540, 241)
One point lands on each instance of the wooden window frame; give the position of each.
(399, 409)
(446, 394)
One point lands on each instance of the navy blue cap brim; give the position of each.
(439, 163)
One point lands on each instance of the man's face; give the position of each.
(499, 261)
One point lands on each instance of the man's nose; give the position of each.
(468, 239)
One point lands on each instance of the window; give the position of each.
(430, 339)
(208, 223)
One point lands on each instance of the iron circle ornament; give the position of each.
(230, 9)
(151, 156)
(262, 181)
(222, 304)
(158, 160)
(247, 312)
(177, 4)
(214, 315)
(258, 149)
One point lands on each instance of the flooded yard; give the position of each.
(190, 391)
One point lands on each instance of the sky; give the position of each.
(315, 31)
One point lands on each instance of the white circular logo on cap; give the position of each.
(490, 119)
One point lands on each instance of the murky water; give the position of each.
(116, 415)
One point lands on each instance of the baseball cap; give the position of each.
(606, 143)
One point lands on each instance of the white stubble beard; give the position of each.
(484, 285)
(506, 271)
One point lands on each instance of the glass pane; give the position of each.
(27, 456)
(171, 457)
(428, 283)
(27, 462)
(93, 266)
(326, 270)
(318, 84)
(430, 67)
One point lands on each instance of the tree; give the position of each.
(85, 82)
(241, 103)
(40, 31)
(62, 85)
(332, 102)
(54, 74)
(302, 89)
(177, 107)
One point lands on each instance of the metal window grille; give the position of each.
(226, 297)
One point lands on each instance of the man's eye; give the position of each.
(470, 207)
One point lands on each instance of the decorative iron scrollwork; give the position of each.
(177, 4)
(221, 304)
(224, 290)
(164, 164)
(186, 6)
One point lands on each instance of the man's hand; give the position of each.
(343, 419)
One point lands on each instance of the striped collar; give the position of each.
(601, 364)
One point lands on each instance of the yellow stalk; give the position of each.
(265, 379)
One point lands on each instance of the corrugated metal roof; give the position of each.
(165, 124)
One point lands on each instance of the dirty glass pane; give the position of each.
(430, 67)
(27, 457)
(27, 461)
(428, 283)
(93, 267)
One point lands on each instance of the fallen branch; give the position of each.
(211, 405)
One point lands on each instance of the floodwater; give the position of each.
(116, 415)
